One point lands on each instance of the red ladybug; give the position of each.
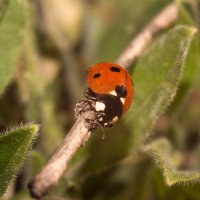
(109, 94)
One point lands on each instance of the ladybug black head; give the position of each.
(121, 91)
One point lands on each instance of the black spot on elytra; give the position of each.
(97, 75)
(121, 91)
(115, 69)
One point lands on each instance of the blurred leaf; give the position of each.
(122, 23)
(24, 194)
(160, 150)
(37, 161)
(10, 39)
(156, 79)
(184, 16)
(3, 7)
(13, 148)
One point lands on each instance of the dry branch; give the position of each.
(56, 165)
(80, 133)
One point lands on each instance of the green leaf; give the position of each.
(161, 152)
(13, 148)
(11, 35)
(156, 79)
(184, 17)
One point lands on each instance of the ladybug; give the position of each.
(109, 94)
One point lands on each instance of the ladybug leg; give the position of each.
(81, 106)
(101, 120)
(84, 106)
(110, 124)
(87, 104)
(90, 95)
(100, 116)
(93, 103)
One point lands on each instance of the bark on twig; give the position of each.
(79, 133)
(56, 165)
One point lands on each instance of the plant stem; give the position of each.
(56, 165)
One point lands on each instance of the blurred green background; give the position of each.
(45, 49)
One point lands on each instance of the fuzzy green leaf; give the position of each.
(11, 35)
(161, 152)
(157, 77)
(13, 148)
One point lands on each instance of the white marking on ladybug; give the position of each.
(122, 100)
(113, 92)
(99, 106)
(115, 119)
(105, 124)
(101, 119)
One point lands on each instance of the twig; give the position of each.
(79, 133)
(54, 168)
(137, 46)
